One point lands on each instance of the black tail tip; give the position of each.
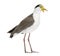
(11, 36)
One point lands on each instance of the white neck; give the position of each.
(36, 14)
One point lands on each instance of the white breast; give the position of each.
(36, 16)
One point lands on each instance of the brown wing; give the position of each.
(27, 22)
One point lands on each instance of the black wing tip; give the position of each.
(12, 30)
(8, 32)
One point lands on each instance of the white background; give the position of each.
(45, 40)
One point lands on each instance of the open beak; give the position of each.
(43, 9)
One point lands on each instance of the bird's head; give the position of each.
(41, 7)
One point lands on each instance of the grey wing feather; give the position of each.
(27, 22)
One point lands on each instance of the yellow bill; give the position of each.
(42, 8)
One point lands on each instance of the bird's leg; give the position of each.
(24, 43)
(29, 42)
(30, 45)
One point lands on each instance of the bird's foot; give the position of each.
(34, 52)
(31, 52)
(27, 52)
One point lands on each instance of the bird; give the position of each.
(28, 24)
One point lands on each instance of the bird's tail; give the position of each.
(11, 36)
(12, 31)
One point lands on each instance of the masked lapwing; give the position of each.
(28, 24)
